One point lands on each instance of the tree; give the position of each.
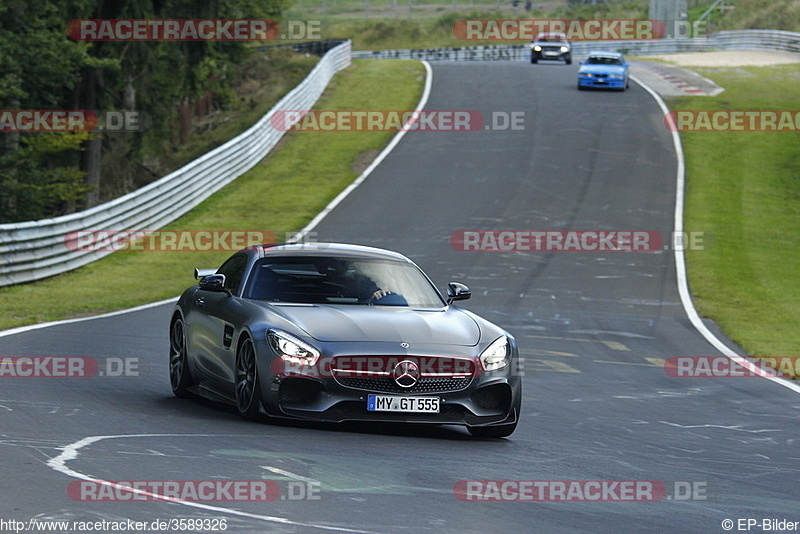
(47, 174)
(40, 173)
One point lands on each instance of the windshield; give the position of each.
(335, 280)
(597, 60)
(554, 37)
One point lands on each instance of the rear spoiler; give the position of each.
(201, 273)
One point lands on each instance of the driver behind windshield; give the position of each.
(327, 280)
(356, 281)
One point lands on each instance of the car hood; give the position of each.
(377, 323)
(602, 69)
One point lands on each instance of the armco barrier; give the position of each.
(729, 40)
(36, 249)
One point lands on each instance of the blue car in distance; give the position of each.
(604, 69)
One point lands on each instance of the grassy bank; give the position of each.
(259, 81)
(279, 195)
(743, 191)
(762, 14)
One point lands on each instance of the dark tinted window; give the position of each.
(233, 269)
(336, 280)
(551, 37)
(596, 60)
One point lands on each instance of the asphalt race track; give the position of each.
(594, 329)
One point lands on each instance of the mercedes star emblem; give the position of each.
(406, 374)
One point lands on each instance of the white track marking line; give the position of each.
(680, 265)
(71, 452)
(288, 474)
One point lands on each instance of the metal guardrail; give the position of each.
(728, 40)
(38, 249)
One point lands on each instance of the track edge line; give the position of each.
(680, 264)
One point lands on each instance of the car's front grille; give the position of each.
(375, 373)
(425, 384)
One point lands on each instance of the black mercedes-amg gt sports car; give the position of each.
(334, 332)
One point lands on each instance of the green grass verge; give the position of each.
(743, 192)
(260, 81)
(257, 83)
(280, 195)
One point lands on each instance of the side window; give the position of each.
(233, 269)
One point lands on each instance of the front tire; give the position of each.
(179, 376)
(248, 388)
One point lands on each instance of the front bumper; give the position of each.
(550, 55)
(601, 81)
(482, 398)
(489, 404)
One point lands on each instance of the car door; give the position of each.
(213, 324)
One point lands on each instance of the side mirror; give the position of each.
(200, 273)
(213, 282)
(456, 291)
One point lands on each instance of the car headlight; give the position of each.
(587, 74)
(291, 349)
(537, 48)
(564, 49)
(496, 355)
(616, 76)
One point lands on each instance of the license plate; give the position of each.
(383, 403)
(551, 53)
